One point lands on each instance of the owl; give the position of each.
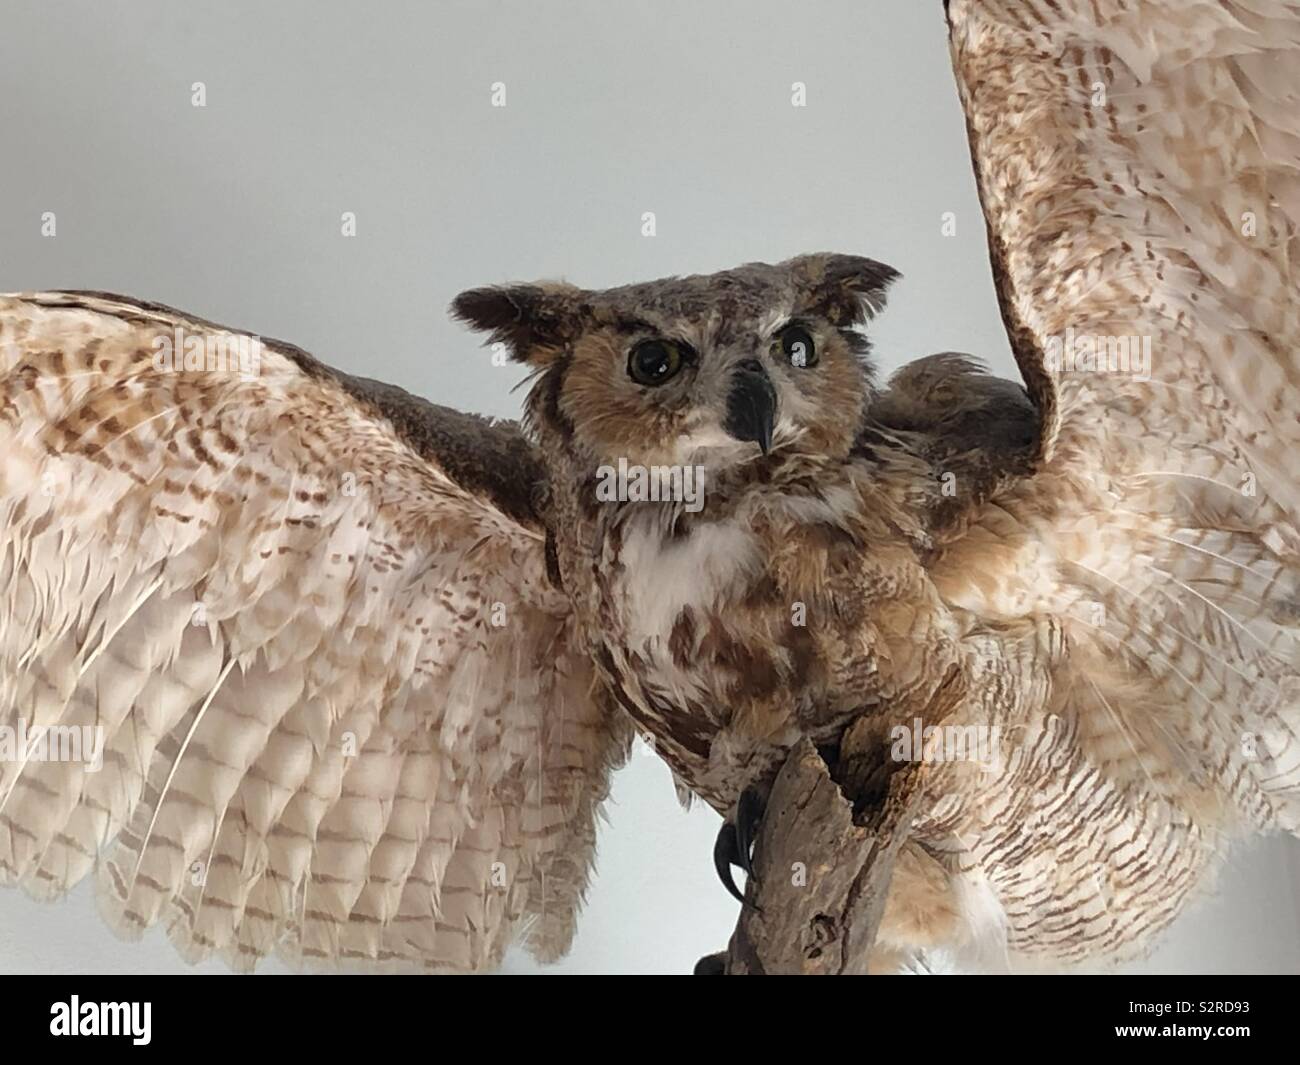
(294, 662)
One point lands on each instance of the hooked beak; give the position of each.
(751, 406)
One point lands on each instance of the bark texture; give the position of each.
(821, 876)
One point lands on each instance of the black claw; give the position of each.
(725, 854)
(749, 812)
(735, 842)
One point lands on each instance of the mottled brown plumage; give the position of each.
(1098, 569)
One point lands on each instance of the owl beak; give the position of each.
(751, 405)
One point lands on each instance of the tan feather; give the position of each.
(277, 609)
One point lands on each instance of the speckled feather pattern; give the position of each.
(319, 740)
(1139, 166)
(1115, 587)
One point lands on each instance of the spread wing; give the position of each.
(1139, 169)
(279, 658)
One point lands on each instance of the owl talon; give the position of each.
(726, 853)
(735, 842)
(749, 813)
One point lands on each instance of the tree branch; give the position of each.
(814, 903)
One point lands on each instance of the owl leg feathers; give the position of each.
(735, 842)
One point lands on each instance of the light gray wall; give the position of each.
(233, 211)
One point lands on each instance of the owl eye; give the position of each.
(796, 344)
(652, 362)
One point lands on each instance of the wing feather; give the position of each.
(343, 713)
(1138, 166)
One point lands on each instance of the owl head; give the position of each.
(714, 369)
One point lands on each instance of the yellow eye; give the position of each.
(652, 362)
(795, 344)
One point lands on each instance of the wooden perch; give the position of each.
(820, 880)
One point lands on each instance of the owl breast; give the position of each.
(661, 595)
(694, 632)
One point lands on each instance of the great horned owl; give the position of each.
(361, 665)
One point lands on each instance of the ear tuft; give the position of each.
(845, 289)
(523, 317)
(502, 312)
(491, 307)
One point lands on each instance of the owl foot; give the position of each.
(711, 965)
(735, 842)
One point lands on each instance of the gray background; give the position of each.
(233, 211)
